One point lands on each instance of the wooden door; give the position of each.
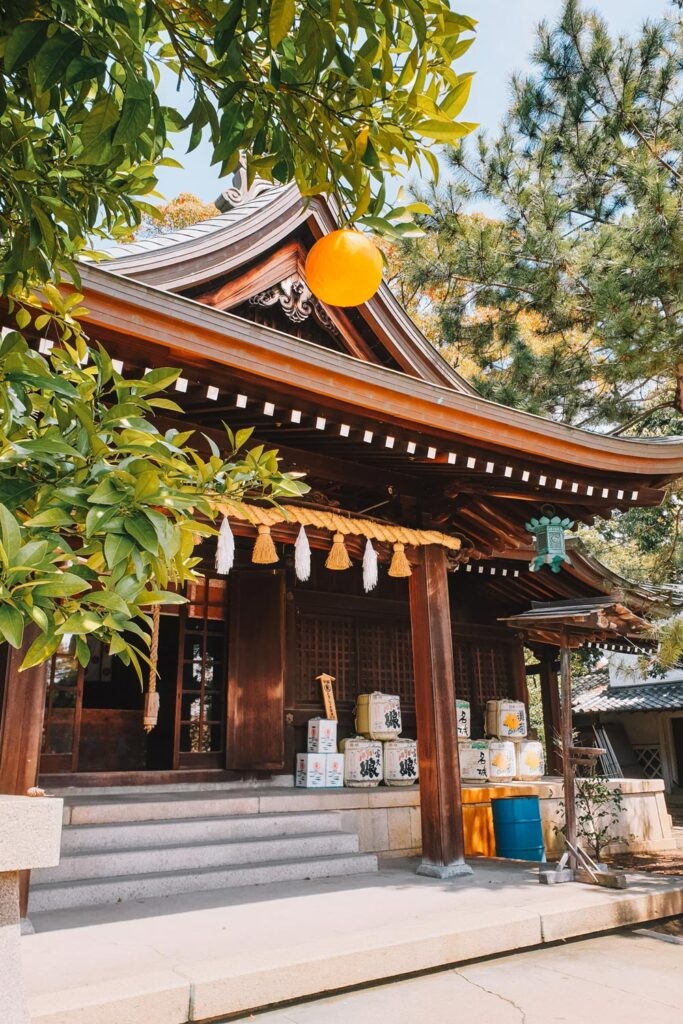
(201, 675)
(256, 670)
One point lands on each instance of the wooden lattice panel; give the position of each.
(385, 658)
(326, 643)
(650, 760)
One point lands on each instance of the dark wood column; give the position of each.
(256, 680)
(21, 730)
(550, 697)
(443, 843)
(21, 721)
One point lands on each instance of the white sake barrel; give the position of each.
(506, 719)
(378, 715)
(362, 762)
(400, 762)
(474, 760)
(462, 711)
(501, 760)
(530, 760)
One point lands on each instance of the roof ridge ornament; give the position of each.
(296, 300)
(240, 192)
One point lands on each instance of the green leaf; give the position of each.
(54, 57)
(80, 623)
(64, 584)
(141, 530)
(42, 648)
(24, 43)
(11, 625)
(50, 517)
(96, 127)
(9, 532)
(457, 98)
(117, 548)
(135, 117)
(281, 20)
(444, 131)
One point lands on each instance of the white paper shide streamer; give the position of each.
(370, 574)
(225, 549)
(302, 557)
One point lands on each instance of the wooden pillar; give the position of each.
(520, 689)
(567, 744)
(550, 697)
(443, 842)
(21, 731)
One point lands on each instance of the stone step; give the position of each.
(196, 855)
(100, 811)
(177, 831)
(94, 892)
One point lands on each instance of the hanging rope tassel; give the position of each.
(338, 557)
(264, 552)
(151, 711)
(302, 557)
(400, 566)
(370, 571)
(225, 549)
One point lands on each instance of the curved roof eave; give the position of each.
(134, 309)
(192, 256)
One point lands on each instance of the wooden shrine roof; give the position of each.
(358, 400)
(590, 618)
(264, 239)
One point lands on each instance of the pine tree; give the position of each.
(585, 238)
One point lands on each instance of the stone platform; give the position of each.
(204, 956)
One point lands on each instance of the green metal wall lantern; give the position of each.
(548, 534)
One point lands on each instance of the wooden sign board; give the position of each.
(328, 695)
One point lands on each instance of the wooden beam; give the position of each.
(187, 331)
(550, 699)
(443, 842)
(314, 464)
(567, 744)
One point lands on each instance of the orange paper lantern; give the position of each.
(344, 268)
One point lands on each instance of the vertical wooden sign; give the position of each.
(328, 696)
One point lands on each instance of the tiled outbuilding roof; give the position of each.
(592, 694)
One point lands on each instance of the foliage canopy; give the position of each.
(581, 241)
(100, 511)
(335, 95)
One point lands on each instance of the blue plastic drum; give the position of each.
(517, 827)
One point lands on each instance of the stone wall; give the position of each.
(388, 820)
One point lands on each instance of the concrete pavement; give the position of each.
(614, 979)
(207, 955)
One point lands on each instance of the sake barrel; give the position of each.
(474, 760)
(506, 718)
(462, 711)
(378, 715)
(362, 762)
(400, 762)
(501, 760)
(530, 760)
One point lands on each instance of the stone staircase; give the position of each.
(131, 847)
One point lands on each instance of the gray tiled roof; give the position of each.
(188, 234)
(592, 694)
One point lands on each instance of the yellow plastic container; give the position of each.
(477, 817)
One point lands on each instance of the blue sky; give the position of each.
(504, 38)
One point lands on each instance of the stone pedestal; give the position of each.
(30, 835)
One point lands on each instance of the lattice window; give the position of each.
(385, 658)
(326, 644)
(650, 760)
